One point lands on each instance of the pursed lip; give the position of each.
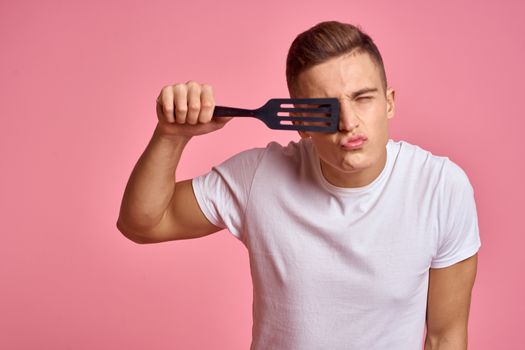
(352, 141)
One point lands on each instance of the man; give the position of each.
(355, 241)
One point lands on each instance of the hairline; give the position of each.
(352, 52)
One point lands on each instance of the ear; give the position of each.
(390, 103)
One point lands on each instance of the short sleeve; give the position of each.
(458, 237)
(223, 192)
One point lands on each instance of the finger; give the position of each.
(207, 104)
(194, 102)
(165, 101)
(181, 103)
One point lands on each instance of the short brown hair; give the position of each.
(328, 40)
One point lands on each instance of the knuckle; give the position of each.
(194, 106)
(207, 104)
(205, 120)
(181, 109)
(179, 87)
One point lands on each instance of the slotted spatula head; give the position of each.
(310, 114)
(302, 114)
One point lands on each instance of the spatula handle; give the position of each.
(221, 111)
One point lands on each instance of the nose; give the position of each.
(348, 119)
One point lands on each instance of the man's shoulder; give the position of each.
(415, 155)
(276, 147)
(293, 150)
(269, 154)
(425, 162)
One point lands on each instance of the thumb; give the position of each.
(222, 120)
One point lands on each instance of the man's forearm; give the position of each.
(152, 183)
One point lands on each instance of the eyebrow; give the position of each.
(362, 91)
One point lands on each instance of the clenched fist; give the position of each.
(187, 110)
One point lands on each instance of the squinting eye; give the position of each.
(365, 98)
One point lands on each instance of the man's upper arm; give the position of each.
(183, 219)
(449, 297)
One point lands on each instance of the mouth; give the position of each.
(353, 142)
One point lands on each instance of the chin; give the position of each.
(351, 165)
(354, 162)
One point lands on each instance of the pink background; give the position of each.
(77, 90)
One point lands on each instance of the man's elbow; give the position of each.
(129, 234)
(452, 340)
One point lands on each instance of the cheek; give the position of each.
(377, 120)
(325, 145)
(378, 110)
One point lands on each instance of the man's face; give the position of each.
(358, 147)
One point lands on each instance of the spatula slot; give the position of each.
(308, 110)
(302, 116)
(308, 119)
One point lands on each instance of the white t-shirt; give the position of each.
(341, 268)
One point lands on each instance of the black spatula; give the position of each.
(276, 114)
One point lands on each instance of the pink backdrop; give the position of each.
(77, 90)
